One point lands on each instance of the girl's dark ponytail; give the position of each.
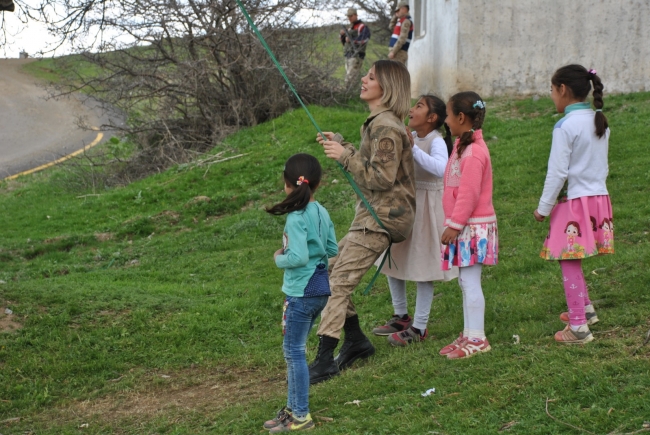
(297, 200)
(438, 107)
(450, 145)
(600, 119)
(472, 106)
(304, 172)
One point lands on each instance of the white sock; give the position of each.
(469, 279)
(398, 294)
(589, 308)
(465, 311)
(580, 328)
(423, 302)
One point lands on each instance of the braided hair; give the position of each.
(437, 106)
(579, 80)
(472, 106)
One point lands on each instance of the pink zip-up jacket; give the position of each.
(467, 198)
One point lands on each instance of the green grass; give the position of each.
(69, 69)
(172, 325)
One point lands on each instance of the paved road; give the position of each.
(35, 131)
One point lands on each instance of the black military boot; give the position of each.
(355, 345)
(324, 366)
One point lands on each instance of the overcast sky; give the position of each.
(33, 37)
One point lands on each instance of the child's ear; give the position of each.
(461, 118)
(433, 118)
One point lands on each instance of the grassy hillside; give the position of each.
(65, 68)
(148, 309)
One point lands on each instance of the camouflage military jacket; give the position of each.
(383, 169)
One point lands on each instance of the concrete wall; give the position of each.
(498, 47)
(433, 58)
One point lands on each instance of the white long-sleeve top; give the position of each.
(436, 161)
(577, 155)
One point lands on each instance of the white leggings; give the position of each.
(423, 300)
(469, 279)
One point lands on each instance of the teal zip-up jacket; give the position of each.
(309, 240)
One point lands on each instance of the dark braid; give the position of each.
(600, 119)
(578, 80)
(437, 106)
(468, 103)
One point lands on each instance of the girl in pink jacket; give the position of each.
(470, 236)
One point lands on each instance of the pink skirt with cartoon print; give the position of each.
(475, 244)
(580, 228)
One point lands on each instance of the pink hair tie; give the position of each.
(301, 180)
(592, 72)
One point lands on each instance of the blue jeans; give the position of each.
(300, 315)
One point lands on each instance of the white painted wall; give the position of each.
(433, 57)
(505, 47)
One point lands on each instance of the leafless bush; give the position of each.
(190, 72)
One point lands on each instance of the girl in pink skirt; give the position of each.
(581, 221)
(470, 236)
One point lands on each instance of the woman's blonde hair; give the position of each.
(395, 81)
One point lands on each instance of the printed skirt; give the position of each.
(580, 228)
(475, 244)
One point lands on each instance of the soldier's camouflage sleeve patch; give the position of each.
(386, 150)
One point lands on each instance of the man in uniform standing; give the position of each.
(402, 26)
(354, 39)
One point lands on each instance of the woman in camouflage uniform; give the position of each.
(383, 169)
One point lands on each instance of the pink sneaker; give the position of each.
(470, 347)
(568, 336)
(395, 324)
(453, 346)
(406, 337)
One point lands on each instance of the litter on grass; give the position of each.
(516, 337)
(429, 392)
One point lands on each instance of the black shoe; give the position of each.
(324, 367)
(355, 346)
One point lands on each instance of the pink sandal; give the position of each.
(470, 347)
(454, 345)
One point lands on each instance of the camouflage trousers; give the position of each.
(352, 71)
(358, 251)
(401, 56)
